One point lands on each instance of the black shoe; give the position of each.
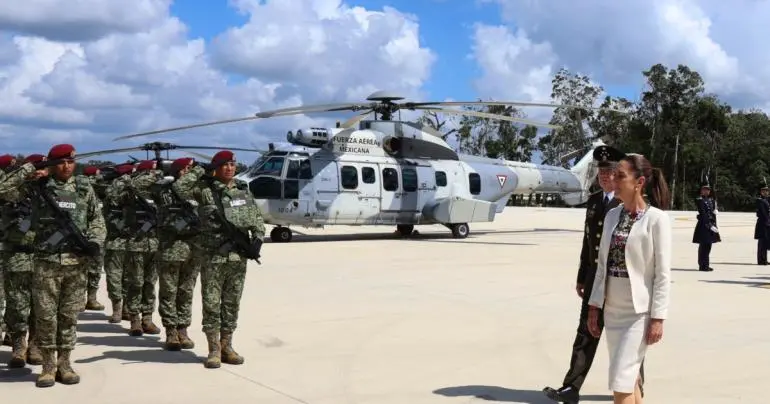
(566, 394)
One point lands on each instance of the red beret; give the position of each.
(91, 170)
(124, 169)
(34, 158)
(222, 157)
(62, 151)
(180, 163)
(146, 165)
(6, 160)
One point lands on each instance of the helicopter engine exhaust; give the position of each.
(310, 137)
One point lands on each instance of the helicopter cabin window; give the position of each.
(367, 175)
(265, 188)
(292, 171)
(389, 179)
(349, 177)
(474, 182)
(441, 179)
(273, 166)
(409, 179)
(305, 171)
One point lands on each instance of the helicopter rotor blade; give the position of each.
(490, 116)
(414, 105)
(179, 147)
(109, 151)
(178, 128)
(311, 108)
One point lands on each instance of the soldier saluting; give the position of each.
(69, 231)
(232, 229)
(585, 345)
(706, 232)
(762, 227)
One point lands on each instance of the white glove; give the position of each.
(714, 229)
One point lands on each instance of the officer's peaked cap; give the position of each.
(607, 156)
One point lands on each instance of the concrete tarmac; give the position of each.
(347, 315)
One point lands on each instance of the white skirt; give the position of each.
(625, 332)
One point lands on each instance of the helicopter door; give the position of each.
(298, 189)
(399, 200)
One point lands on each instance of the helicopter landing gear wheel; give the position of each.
(460, 230)
(405, 230)
(280, 235)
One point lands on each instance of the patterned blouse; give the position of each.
(616, 258)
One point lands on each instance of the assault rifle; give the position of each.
(237, 239)
(67, 230)
(147, 209)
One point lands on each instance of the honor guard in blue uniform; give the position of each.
(762, 228)
(706, 231)
(585, 345)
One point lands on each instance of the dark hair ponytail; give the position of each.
(656, 188)
(660, 195)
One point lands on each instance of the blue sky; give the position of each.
(446, 26)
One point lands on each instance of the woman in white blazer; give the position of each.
(633, 274)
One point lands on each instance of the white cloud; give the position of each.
(125, 73)
(615, 41)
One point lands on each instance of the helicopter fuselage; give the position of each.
(356, 180)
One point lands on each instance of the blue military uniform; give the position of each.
(585, 345)
(762, 227)
(706, 232)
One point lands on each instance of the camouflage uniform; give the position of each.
(16, 258)
(59, 282)
(222, 276)
(141, 269)
(178, 266)
(94, 268)
(115, 246)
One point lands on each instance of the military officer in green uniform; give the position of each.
(69, 231)
(7, 162)
(95, 269)
(115, 244)
(178, 266)
(585, 345)
(142, 274)
(17, 258)
(232, 229)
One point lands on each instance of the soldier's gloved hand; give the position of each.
(92, 249)
(256, 247)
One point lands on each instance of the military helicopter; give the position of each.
(386, 172)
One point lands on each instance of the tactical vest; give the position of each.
(73, 203)
(238, 204)
(16, 223)
(174, 216)
(135, 215)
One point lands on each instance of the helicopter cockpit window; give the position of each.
(349, 177)
(389, 179)
(265, 188)
(367, 175)
(441, 179)
(272, 166)
(409, 179)
(474, 183)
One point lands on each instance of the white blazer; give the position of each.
(648, 260)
